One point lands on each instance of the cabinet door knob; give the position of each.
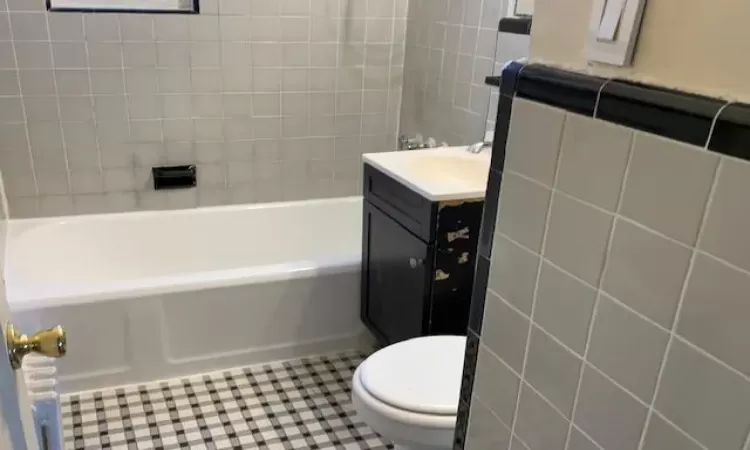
(414, 262)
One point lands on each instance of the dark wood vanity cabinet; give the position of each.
(418, 260)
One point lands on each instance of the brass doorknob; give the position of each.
(51, 342)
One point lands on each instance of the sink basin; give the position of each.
(450, 169)
(439, 174)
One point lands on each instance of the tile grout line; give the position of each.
(336, 83)
(458, 50)
(683, 291)
(625, 218)
(125, 95)
(675, 324)
(680, 430)
(549, 402)
(492, 352)
(712, 357)
(599, 97)
(365, 45)
(396, 19)
(683, 340)
(587, 286)
(536, 282)
(479, 400)
(521, 380)
(590, 327)
(515, 436)
(163, 144)
(153, 41)
(32, 163)
(592, 366)
(512, 436)
(93, 118)
(69, 193)
(486, 93)
(588, 436)
(308, 97)
(444, 40)
(130, 170)
(620, 217)
(404, 19)
(224, 153)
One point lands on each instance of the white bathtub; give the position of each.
(152, 295)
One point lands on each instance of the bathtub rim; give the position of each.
(15, 226)
(188, 282)
(52, 295)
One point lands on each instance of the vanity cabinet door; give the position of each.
(395, 278)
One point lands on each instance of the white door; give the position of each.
(16, 423)
(17, 430)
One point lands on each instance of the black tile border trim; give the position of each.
(509, 77)
(502, 123)
(467, 386)
(462, 425)
(731, 135)
(194, 10)
(672, 114)
(568, 90)
(515, 25)
(471, 353)
(489, 214)
(479, 295)
(714, 123)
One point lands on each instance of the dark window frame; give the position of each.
(194, 10)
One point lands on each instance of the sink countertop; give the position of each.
(439, 174)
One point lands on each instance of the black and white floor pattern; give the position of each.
(298, 404)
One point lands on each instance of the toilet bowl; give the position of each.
(408, 392)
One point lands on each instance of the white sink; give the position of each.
(446, 173)
(450, 168)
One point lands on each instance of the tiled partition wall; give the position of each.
(451, 46)
(271, 99)
(611, 305)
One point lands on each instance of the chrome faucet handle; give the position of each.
(478, 147)
(410, 143)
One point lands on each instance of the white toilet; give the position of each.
(408, 392)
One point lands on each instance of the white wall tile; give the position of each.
(66, 27)
(37, 82)
(173, 54)
(136, 90)
(104, 54)
(7, 56)
(661, 333)
(139, 54)
(31, 55)
(29, 26)
(107, 81)
(101, 27)
(171, 27)
(136, 27)
(110, 107)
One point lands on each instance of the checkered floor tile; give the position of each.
(299, 404)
